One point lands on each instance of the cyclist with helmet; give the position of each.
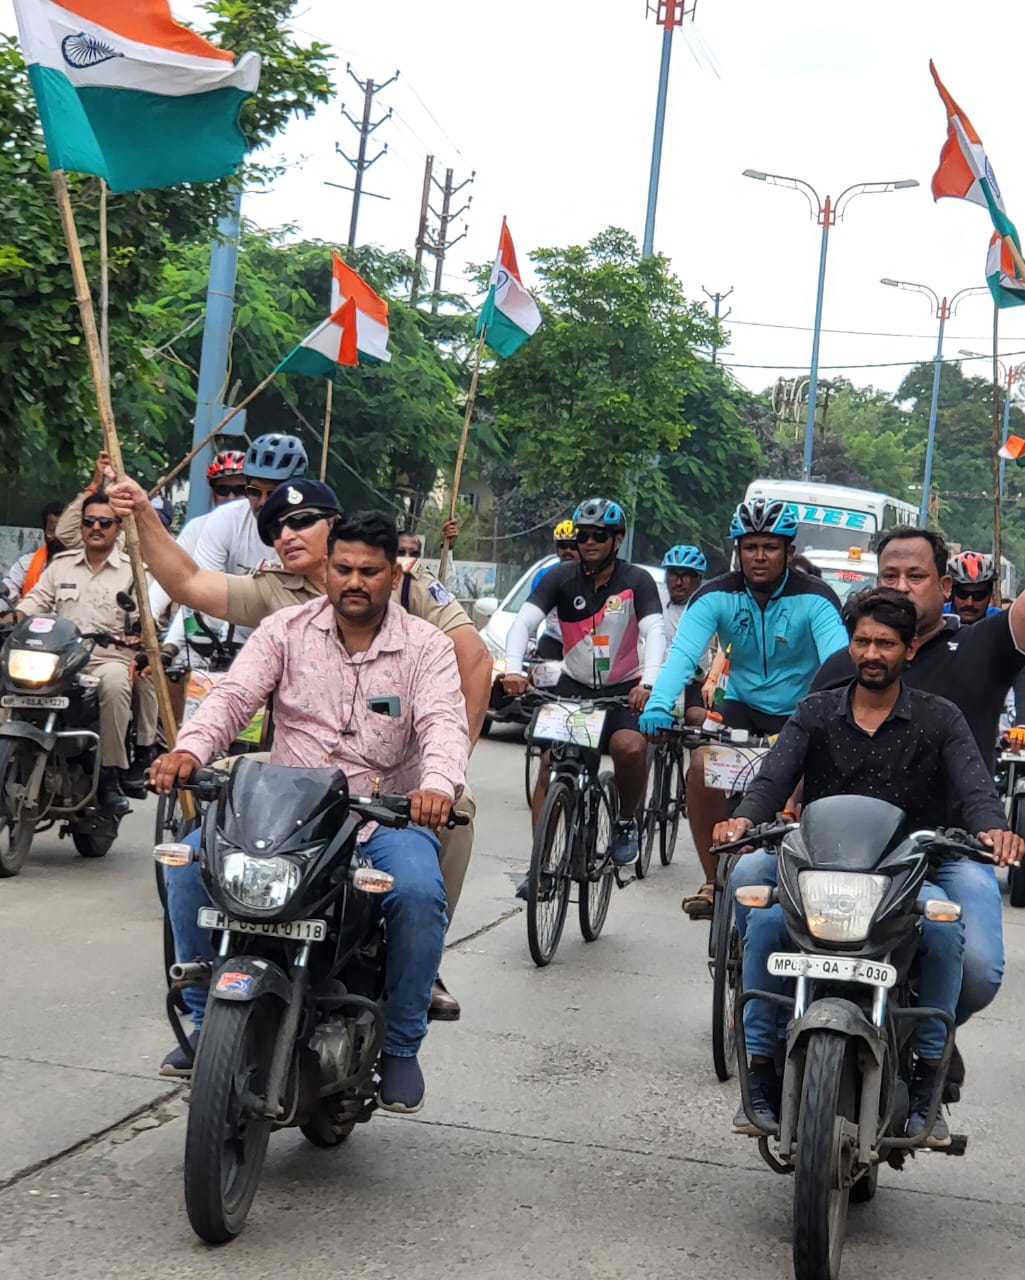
(225, 477)
(549, 642)
(779, 626)
(972, 576)
(685, 568)
(613, 639)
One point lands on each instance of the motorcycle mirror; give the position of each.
(125, 601)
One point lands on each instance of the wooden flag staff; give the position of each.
(113, 447)
(458, 475)
(327, 430)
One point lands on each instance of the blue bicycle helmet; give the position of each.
(275, 457)
(762, 516)
(681, 557)
(600, 513)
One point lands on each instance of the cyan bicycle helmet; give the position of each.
(682, 557)
(761, 516)
(600, 513)
(972, 569)
(275, 457)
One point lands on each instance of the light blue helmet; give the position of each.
(275, 457)
(762, 516)
(682, 557)
(602, 513)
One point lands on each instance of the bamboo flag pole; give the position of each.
(995, 452)
(166, 479)
(327, 430)
(104, 287)
(471, 396)
(113, 447)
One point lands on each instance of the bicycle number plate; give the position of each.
(295, 930)
(562, 722)
(731, 768)
(34, 700)
(872, 973)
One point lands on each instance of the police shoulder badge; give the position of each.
(440, 593)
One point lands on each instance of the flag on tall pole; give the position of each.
(1006, 286)
(126, 93)
(509, 315)
(371, 310)
(331, 343)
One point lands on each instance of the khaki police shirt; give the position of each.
(253, 597)
(69, 587)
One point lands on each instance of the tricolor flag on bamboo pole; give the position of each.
(509, 315)
(1005, 284)
(371, 310)
(126, 93)
(1013, 449)
(331, 343)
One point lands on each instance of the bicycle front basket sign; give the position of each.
(559, 722)
(732, 769)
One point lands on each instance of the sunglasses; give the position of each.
(231, 490)
(973, 593)
(594, 535)
(104, 522)
(566, 544)
(251, 491)
(299, 520)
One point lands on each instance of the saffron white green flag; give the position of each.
(1006, 286)
(509, 312)
(371, 310)
(331, 343)
(126, 93)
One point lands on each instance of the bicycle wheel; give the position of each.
(595, 893)
(726, 981)
(654, 814)
(531, 768)
(548, 878)
(674, 807)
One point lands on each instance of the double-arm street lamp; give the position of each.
(827, 212)
(943, 309)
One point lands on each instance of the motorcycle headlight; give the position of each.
(262, 883)
(27, 667)
(839, 905)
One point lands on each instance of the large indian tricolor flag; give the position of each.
(371, 310)
(509, 312)
(331, 343)
(128, 94)
(1005, 284)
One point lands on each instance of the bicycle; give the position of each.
(665, 803)
(574, 834)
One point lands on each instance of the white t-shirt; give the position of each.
(229, 540)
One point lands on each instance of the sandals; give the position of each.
(699, 905)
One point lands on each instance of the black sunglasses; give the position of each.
(299, 520)
(593, 535)
(251, 491)
(566, 544)
(104, 522)
(972, 593)
(230, 490)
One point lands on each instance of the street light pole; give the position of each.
(827, 213)
(669, 14)
(943, 309)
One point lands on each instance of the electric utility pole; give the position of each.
(421, 230)
(669, 14)
(365, 128)
(439, 243)
(717, 299)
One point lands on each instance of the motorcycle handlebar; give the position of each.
(756, 837)
(953, 841)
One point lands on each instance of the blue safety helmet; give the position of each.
(275, 457)
(682, 557)
(765, 516)
(600, 513)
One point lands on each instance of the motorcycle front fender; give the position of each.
(245, 979)
(842, 1017)
(29, 732)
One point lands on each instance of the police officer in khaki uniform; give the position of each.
(82, 586)
(295, 522)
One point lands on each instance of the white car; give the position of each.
(495, 617)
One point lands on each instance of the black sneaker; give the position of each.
(955, 1077)
(919, 1097)
(178, 1063)
(109, 796)
(765, 1099)
(133, 779)
(625, 843)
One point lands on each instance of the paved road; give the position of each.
(574, 1127)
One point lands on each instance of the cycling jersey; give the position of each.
(774, 652)
(551, 623)
(602, 628)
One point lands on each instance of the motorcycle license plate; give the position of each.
(873, 973)
(34, 700)
(293, 930)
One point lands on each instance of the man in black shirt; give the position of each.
(974, 667)
(874, 737)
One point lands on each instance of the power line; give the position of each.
(890, 364)
(858, 333)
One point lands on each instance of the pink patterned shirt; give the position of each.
(321, 716)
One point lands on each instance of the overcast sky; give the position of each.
(553, 104)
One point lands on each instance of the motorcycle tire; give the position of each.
(653, 820)
(820, 1198)
(92, 846)
(594, 895)
(225, 1148)
(15, 837)
(548, 878)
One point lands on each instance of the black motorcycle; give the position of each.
(294, 1025)
(848, 881)
(49, 742)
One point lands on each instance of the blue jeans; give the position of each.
(414, 914)
(941, 953)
